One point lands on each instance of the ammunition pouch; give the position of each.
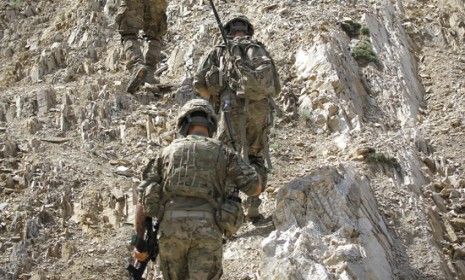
(213, 81)
(230, 215)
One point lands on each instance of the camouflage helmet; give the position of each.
(229, 26)
(196, 112)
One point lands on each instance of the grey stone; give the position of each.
(67, 117)
(31, 229)
(33, 125)
(20, 262)
(3, 206)
(8, 148)
(312, 239)
(439, 201)
(45, 101)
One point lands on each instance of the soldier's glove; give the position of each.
(140, 252)
(140, 256)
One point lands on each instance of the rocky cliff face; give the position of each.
(368, 145)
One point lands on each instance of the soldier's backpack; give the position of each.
(250, 69)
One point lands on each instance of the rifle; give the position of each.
(148, 244)
(220, 25)
(227, 103)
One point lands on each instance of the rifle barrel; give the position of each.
(218, 20)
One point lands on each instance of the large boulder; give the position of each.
(328, 227)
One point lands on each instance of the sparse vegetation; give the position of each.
(365, 31)
(351, 28)
(363, 52)
(381, 158)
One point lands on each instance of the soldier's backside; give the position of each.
(189, 177)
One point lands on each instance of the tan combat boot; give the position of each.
(137, 79)
(146, 73)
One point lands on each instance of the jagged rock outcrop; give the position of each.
(328, 227)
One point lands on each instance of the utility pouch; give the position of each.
(230, 215)
(213, 81)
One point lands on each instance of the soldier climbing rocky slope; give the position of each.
(367, 147)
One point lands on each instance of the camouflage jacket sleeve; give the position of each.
(208, 76)
(151, 188)
(241, 174)
(207, 61)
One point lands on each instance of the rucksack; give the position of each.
(250, 70)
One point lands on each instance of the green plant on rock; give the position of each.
(381, 158)
(363, 52)
(365, 31)
(351, 28)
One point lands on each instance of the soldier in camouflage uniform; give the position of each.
(242, 79)
(150, 17)
(184, 187)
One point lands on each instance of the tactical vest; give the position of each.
(193, 168)
(196, 167)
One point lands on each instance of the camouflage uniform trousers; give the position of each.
(146, 15)
(190, 248)
(256, 122)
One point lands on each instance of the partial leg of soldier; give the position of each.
(252, 203)
(190, 247)
(205, 258)
(174, 246)
(154, 28)
(132, 50)
(257, 121)
(130, 21)
(152, 58)
(223, 133)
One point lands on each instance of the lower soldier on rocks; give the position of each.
(240, 79)
(150, 17)
(185, 188)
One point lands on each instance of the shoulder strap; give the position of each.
(219, 186)
(275, 73)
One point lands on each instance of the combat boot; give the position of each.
(137, 79)
(252, 205)
(150, 77)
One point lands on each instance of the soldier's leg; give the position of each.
(206, 252)
(129, 22)
(155, 28)
(223, 133)
(257, 119)
(174, 247)
(145, 73)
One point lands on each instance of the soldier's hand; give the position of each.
(203, 92)
(140, 256)
(259, 188)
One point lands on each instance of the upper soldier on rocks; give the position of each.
(240, 79)
(150, 17)
(185, 188)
